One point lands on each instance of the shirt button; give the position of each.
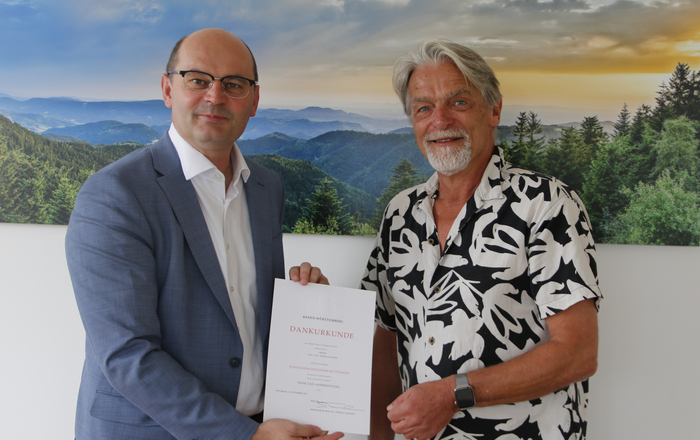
(231, 288)
(431, 241)
(437, 289)
(431, 341)
(234, 362)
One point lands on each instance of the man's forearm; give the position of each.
(569, 356)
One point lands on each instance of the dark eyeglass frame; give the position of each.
(252, 82)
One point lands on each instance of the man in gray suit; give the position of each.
(172, 252)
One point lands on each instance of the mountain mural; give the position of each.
(47, 115)
(639, 177)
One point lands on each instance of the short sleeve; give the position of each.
(562, 257)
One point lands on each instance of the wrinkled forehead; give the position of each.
(444, 79)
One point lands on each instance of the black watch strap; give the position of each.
(464, 394)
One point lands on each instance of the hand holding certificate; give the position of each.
(320, 356)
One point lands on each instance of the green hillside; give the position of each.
(301, 179)
(39, 178)
(362, 160)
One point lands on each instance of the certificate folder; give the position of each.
(319, 364)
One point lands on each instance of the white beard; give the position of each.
(448, 160)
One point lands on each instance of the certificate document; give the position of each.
(319, 364)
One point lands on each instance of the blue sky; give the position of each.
(563, 58)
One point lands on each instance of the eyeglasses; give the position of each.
(235, 87)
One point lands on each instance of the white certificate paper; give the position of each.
(319, 364)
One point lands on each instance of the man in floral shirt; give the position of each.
(486, 282)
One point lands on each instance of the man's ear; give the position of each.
(496, 113)
(256, 101)
(166, 87)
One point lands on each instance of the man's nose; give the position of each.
(216, 92)
(442, 117)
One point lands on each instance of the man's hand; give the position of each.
(424, 410)
(306, 273)
(278, 429)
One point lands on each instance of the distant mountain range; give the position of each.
(79, 119)
(142, 121)
(72, 111)
(362, 160)
(105, 132)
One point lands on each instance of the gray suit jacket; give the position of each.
(163, 354)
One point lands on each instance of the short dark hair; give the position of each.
(172, 61)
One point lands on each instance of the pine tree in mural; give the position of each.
(324, 214)
(624, 123)
(527, 147)
(403, 176)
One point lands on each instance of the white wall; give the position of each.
(647, 385)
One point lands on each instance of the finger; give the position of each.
(307, 431)
(304, 273)
(294, 273)
(315, 276)
(334, 436)
(300, 273)
(394, 410)
(401, 427)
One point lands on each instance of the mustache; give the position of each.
(446, 134)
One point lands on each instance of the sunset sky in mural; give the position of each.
(563, 59)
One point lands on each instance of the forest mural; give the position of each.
(599, 93)
(640, 182)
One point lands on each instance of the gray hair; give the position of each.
(434, 52)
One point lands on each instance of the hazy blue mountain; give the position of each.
(161, 128)
(269, 144)
(365, 160)
(152, 112)
(403, 130)
(34, 122)
(108, 132)
(41, 114)
(299, 128)
(323, 114)
(362, 160)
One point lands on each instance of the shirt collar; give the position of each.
(194, 163)
(489, 188)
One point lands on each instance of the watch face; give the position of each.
(465, 397)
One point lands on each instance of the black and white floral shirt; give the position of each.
(520, 251)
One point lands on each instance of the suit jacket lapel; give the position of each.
(183, 200)
(261, 225)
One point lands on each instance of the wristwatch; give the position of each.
(464, 394)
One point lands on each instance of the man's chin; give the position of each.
(448, 163)
(448, 171)
(214, 138)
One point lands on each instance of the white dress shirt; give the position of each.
(226, 213)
